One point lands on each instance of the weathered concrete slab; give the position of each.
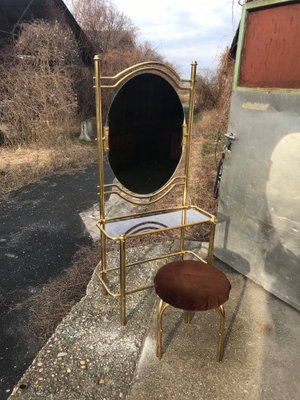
(91, 356)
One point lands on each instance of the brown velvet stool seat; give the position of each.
(191, 286)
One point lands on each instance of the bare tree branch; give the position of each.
(106, 27)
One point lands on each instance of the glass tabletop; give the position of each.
(154, 222)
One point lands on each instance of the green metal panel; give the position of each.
(239, 49)
(267, 3)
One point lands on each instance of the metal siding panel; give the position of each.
(259, 208)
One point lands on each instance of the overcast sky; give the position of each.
(185, 30)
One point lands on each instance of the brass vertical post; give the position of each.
(188, 151)
(211, 240)
(103, 256)
(123, 280)
(190, 129)
(99, 126)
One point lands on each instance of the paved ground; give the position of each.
(92, 357)
(40, 230)
(262, 354)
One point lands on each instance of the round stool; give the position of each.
(191, 286)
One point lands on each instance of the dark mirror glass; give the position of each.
(145, 133)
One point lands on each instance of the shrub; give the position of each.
(206, 91)
(213, 87)
(39, 84)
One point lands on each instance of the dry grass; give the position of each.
(208, 139)
(20, 166)
(225, 78)
(54, 302)
(203, 162)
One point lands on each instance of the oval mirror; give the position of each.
(145, 133)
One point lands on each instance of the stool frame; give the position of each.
(162, 306)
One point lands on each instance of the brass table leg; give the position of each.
(123, 280)
(211, 241)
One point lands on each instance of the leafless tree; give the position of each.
(106, 27)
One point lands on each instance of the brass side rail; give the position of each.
(134, 264)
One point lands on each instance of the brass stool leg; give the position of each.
(187, 317)
(220, 353)
(160, 311)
